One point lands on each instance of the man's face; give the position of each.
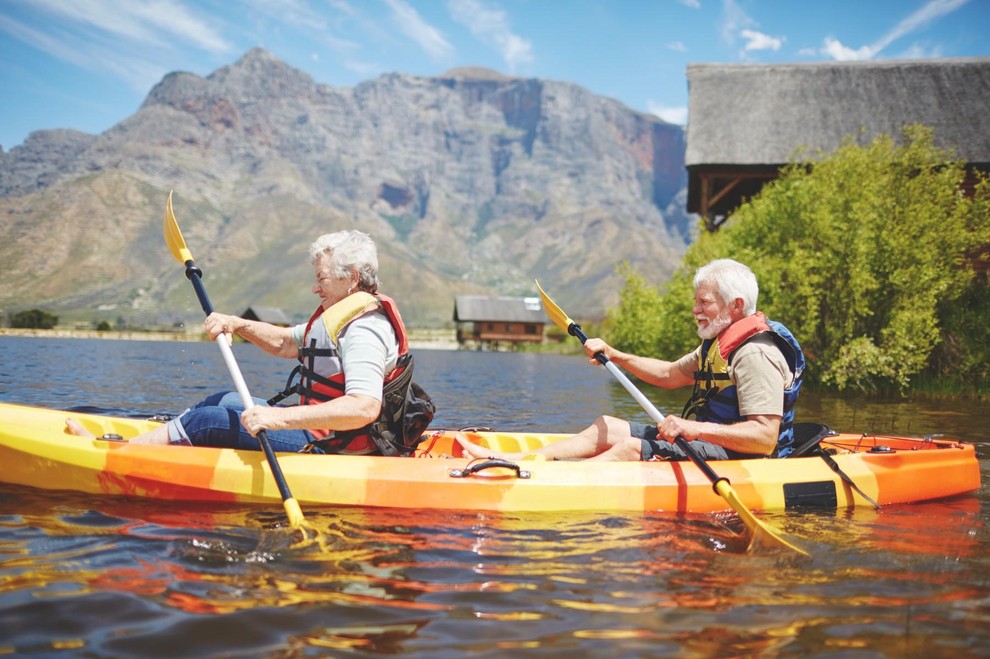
(710, 312)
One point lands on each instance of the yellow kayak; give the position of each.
(36, 451)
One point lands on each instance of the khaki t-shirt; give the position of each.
(760, 373)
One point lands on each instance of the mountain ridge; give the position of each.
(470, 182)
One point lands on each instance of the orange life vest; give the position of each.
(325, 381)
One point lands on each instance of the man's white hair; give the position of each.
(730, 279)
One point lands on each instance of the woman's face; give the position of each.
(330, 288)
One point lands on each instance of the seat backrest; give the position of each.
(807, 436)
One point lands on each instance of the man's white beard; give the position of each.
(716, 326)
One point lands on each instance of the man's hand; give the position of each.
(674, 426)
(594, 346)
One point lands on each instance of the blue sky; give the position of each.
(88, 64)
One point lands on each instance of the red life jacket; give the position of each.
(318, 387)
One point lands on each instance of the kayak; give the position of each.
(36, 451)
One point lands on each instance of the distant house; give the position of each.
(747, 120)
(486, 321)
(272, 315)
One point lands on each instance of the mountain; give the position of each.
(469, 182)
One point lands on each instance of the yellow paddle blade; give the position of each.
(173, 237)
(761, 532)
(556, 314)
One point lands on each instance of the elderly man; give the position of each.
(746, 375)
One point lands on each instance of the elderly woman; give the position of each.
(353, 346)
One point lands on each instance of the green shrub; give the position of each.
(868, 255)
(33, 319)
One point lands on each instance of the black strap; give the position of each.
(834, 466)
(289, 389)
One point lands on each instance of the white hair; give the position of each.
(349, 251)
(731, 280)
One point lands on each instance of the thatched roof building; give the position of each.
(272, 315)
(747, 120)
(491, 320)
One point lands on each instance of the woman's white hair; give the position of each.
(349, 251)
(730, 279)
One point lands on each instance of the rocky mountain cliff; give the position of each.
(469, 182)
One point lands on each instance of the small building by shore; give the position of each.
(490, 322)
(270, 315)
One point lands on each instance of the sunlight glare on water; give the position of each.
(102, 576)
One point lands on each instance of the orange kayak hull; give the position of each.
(36, 451)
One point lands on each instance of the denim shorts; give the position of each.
(659, 449)
(216, 422)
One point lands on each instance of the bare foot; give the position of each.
(73, 427)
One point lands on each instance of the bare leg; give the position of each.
(614, 442)
(158, 435)
(607, 439)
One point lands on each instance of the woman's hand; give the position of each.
(260, 418)
(219, 323)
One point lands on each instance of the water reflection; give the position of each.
(396, 580)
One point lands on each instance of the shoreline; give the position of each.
(422, 339)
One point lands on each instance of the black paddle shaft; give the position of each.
(575, 330)
(195, 275)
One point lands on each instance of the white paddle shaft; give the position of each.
(235, 371)
(636, 393)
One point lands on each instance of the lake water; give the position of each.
(102, 576)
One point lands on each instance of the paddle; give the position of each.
(720, 485)
(176, 245)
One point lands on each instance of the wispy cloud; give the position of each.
(491, 27)
(833, 48)
(673, 115)
(410, 23)
(150, 21)
(759, 41)
(297, 13)
(736, 23)
(931, 11)
(323, 27)
(734, 20)
(122, 38)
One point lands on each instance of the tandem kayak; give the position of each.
(36, 451)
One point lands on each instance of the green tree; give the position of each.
(33, 319)
(869, 256)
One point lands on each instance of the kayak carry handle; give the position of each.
(490, 463)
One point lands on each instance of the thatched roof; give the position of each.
(483, 308)
(758, 114)
(273, 315)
